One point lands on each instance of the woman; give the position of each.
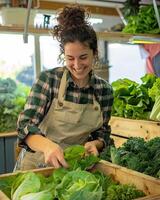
(67, 105)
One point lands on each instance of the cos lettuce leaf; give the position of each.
(78, 185)
(26, 183)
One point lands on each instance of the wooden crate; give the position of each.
(123, 128)
(150, 185)
(118, 140)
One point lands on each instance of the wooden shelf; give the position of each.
(20, 29)
(53, 6)
(124, 37)
(118, 37)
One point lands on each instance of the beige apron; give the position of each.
(66, 123)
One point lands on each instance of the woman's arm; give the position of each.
(53, 153)
(34, 110)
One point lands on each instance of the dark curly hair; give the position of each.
(73, 26)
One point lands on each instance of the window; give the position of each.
(49, 52)
(125, 62)
(17, 58)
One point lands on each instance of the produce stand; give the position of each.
(123, 128)
(150, 185)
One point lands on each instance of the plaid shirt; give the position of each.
(46, 89)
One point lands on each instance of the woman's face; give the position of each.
(79, 60)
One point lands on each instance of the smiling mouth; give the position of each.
(79, 70)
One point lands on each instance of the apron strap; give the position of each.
(62, 90)
(62, 87)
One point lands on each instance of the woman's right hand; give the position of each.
(54, 156)
(53, 153)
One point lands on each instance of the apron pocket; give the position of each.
(67, 117)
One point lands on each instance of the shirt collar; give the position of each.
(91, 80)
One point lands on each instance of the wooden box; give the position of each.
(150, 185)
(123, 128)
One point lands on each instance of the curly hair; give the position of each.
(73, 26)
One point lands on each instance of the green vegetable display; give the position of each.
(12, 99)
(75, 156)
(118, 192)
(155, 113)
(24, 184)
(144, 22)
(67, 184)
(137, 154)
(43, 195)
(154, 93)
(6, 185)
(79, 185)
(132, 100)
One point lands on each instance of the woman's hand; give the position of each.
(53, 153)
(54, 156)
(91, 148)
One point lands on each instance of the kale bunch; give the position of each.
(123, 192)
(138, 155)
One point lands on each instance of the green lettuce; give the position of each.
(78, 185)
(43, 195)
(25, 183)
(76, 158)
(132, 100)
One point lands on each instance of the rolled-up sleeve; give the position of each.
(34, 110)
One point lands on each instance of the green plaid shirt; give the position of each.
(46, 89)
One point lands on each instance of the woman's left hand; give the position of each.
(91, 148)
